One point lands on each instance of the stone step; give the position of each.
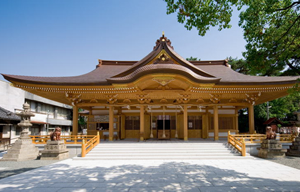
(160, 151)
(163, 157)
(160, 146)
(157, 154)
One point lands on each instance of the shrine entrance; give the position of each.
(163, 127)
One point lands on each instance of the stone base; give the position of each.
(55, 150)
(294, 148)
(23, 149)
(270, 149)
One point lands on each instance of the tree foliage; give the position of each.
(271, 28)
(281, 108)
(193, 59)
(82, 120)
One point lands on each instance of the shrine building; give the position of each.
(162, 96)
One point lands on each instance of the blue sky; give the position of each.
(67, 37)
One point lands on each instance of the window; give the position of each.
(195, 122)
(18, 130)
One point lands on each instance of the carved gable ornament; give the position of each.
(163, 58)
(163, 82)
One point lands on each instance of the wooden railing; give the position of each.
(239, 144)
(239, 141)
(87, 146)
(68, 139)
(250, 138)
(88, 142)
(257, 138)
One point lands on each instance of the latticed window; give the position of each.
(132, 122)
(224, 123)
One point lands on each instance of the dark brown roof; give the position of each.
(164, 68)
(95, 77)
(8, 115)
(164, 44)
(39, 122)
(231, 77)
(108, 72)
(273, 120)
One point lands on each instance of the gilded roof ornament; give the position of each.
(163, 40)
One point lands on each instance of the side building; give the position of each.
(48, 114)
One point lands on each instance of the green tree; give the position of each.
(271, 28)
(281, 108)
(239, 65)
(82, 120)
(193, 59)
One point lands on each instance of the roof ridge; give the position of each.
(163, 43)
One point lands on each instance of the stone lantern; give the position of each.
(23, 149)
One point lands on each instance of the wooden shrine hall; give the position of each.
(162, 96)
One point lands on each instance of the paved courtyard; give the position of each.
(159, 175)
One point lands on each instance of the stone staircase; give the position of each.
(161, 151)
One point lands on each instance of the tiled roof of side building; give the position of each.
(8, 115)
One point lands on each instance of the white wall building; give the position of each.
(48, 114)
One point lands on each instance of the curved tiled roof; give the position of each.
(164, 68)
(231, 77)
(95, 77)
(8, 115)
(163, 44)
(125, 71)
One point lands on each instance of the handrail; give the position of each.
(238, 144)
(239, 141)
(68, 139)
(90, 144)
(257, 138)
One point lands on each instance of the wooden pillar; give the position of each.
(111, 123)
(179, 124)
(123, 133)
(216, 123)
(251, 118)
(185, 123)
(142, 123)
(237, 120)
(147, 126)
(75, 120)
(205, 126)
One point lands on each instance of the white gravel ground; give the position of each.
(9, 168)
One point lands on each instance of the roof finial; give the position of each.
(163, 33)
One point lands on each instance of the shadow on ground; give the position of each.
(167, 176)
